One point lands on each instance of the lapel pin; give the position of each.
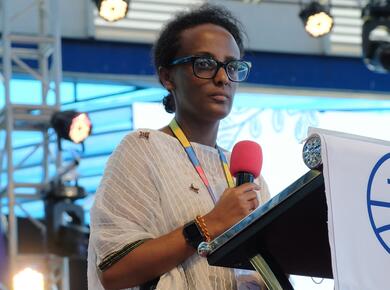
(194, 189)
(144, 135)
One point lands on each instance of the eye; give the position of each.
(205, 64)
(236, 66)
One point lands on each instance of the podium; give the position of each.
(286, 235)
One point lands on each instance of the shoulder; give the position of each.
(139, 138)
(133, 158)
(143, 143)
(132, 147)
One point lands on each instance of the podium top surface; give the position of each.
(290, 231)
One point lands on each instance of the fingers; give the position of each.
(248, 187)
(252, 202)
(255, 203)
(249, 201)
(234, 204)
(250, 195)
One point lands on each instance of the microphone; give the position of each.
(245, 165)
(246, 161)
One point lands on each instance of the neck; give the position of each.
(203, 132)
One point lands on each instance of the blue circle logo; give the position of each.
(378, 200)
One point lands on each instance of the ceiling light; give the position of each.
(376, 36)
(112, 10)
(316, 19)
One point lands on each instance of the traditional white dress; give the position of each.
(147, 190)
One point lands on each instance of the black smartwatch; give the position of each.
(192, 234)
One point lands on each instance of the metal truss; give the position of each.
(38, 55)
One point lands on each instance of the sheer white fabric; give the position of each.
(146, 192)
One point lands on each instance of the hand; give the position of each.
(249, 280)
(234, 204)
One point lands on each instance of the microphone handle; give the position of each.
(244, 177)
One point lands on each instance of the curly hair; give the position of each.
(168, 44)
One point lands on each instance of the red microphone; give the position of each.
(246, 161)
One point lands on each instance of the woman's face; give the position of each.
(204, 99)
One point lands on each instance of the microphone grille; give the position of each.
(247, 156)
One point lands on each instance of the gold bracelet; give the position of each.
(202, 225)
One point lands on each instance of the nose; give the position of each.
(221, 77)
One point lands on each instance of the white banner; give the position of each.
(357, 184)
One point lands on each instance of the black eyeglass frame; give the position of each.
(192, 58)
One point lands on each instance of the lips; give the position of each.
(220, 97)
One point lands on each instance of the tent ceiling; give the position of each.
(146, 17)
(144, 20)
(261, 18)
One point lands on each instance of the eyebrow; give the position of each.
(207, 54)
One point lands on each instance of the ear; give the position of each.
(166, 78)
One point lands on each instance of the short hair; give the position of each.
(168, 43)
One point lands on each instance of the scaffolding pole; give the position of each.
(7, 74)
(16, 51)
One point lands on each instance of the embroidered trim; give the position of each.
(114, 257)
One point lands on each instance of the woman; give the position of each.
(155, 204)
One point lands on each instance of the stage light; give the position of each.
(28, 279)
(112, 10)
(316, 19)
(72, 125)
(67, 233)
(376, 36)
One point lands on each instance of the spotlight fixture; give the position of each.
(71, 125)
(316, 19)
(67, 233)
(376, 36)
(112, 10)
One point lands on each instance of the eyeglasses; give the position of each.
(206, 67)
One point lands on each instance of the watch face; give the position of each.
(192, 234)
(312, 152)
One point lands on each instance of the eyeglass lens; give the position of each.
(236, 70)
